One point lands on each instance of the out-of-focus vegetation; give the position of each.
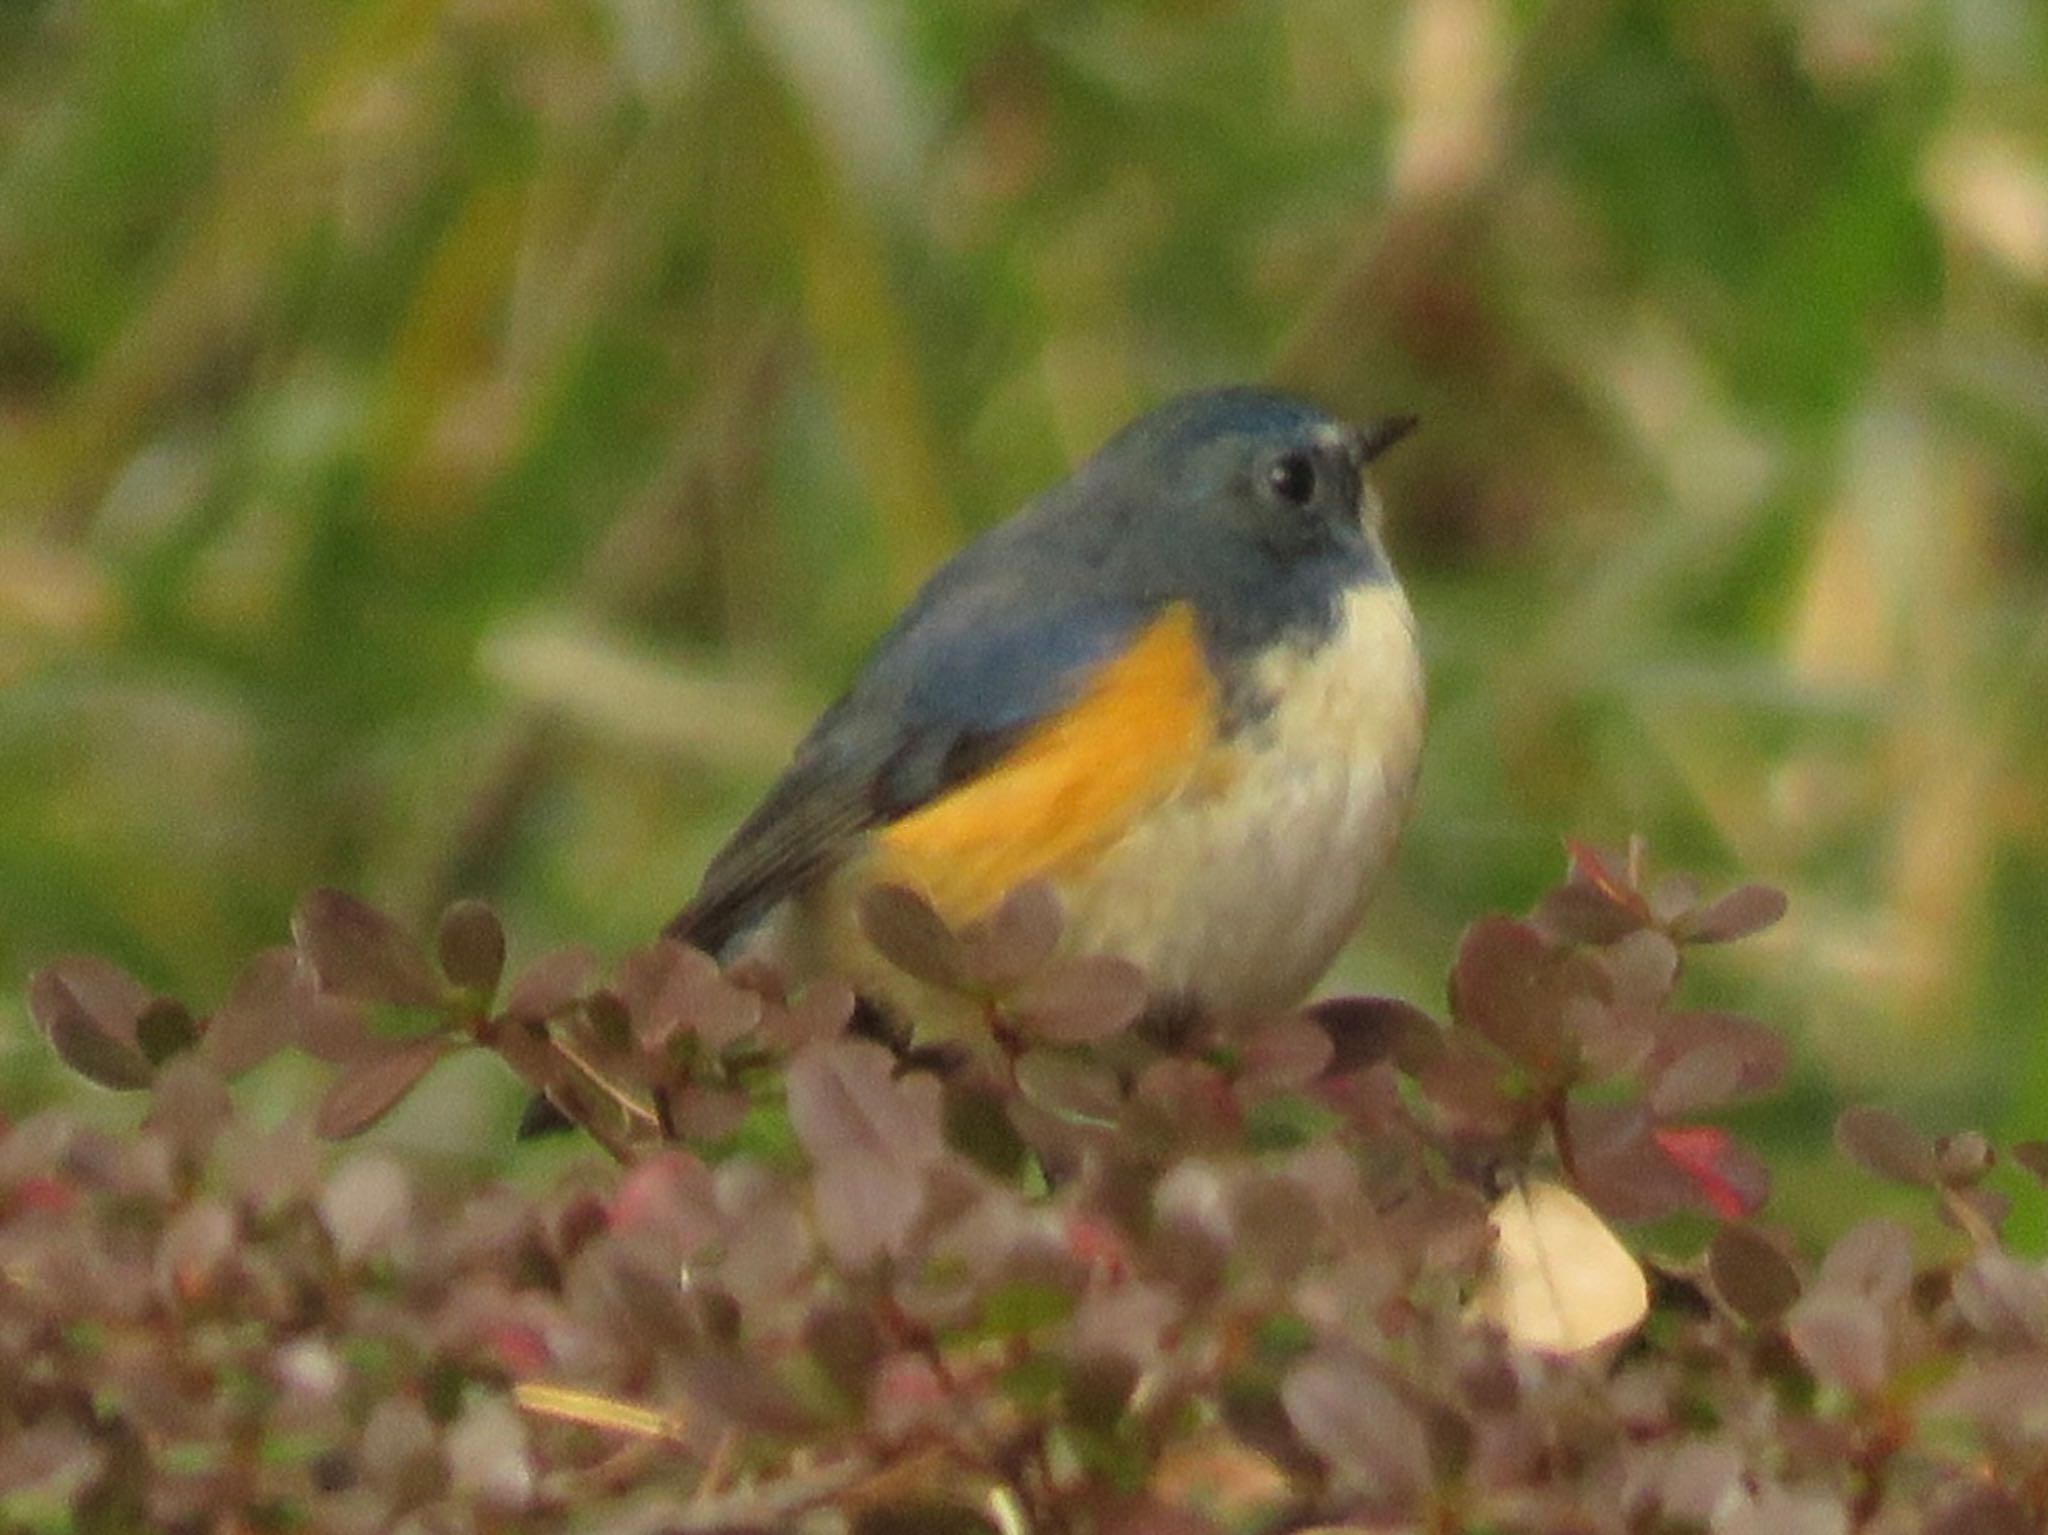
(452, 448)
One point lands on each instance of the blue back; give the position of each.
(1174, 508)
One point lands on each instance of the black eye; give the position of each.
(1293, 478)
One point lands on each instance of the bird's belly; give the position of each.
(1238, 890)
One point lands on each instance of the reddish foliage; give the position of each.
(1062, 1274)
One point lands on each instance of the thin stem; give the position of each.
(632, 1107)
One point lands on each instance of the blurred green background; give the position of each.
(453, 447)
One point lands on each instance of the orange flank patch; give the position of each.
(1073, 785)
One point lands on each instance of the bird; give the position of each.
(1182, 687)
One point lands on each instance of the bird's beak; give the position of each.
(1372, 438)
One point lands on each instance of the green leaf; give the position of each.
(1024, 1306)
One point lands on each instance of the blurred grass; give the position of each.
(453, 447)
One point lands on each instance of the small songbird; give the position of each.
(1182, 687)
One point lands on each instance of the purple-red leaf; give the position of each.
(1706, 1060)
(1469, 1087)
(870, 1138)
(1150, 1515)
(1885, 1146)
(847, 1345)
(370, 1087)
(821, 1013)
(196, 1247)
(400, 1451)
(366, 1206)
(670, 989)
(845, 1101)
(1619, 1165)
(1575, 912)
(165, 1028)
(1738, 914)
(551, 983)
(1513, 988)
(1729, 1178)
(669, 1197)
(1774, 1510)
(1843, 1339)
(702, 1114)
(1997, 1392)
(490, 1465)
(1643, 968)
(110, 995)
(255, 1021)
(1073, 1087)
(1284, 1053)
(1873, 1259)
(1366, 1030)
(1704, 1077)
(326, 1027)
(1978, 1508)
(470, 944)
(2004, 1298)
(1596, 904)
(1190, 1101)
(1080, 1001)
(1374, 1443)
(1278, 1223)
(1613, 1041)
(912, 936)
(1753, 1277)
(357, 951)
(1016, 940)
(89, 1007)
(1674, 896)
(189, 1106)
(741, 1392)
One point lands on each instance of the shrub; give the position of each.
(1086, 1270)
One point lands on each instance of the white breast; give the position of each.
(1240, 889)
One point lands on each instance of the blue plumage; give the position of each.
(1188, 504)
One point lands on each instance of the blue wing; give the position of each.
(991, 647)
